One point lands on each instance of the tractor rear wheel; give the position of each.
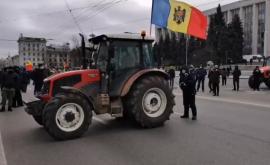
(150, 101)
(67, 116)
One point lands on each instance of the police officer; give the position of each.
(187, 83)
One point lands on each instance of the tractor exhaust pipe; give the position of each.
(83, 54)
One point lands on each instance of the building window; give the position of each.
(225, 16)
(248, 14)
(34, 54)
(261, 27)
(235, 12)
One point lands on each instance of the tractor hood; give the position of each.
(264, 69)
(70, 73)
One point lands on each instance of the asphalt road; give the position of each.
(232, 129)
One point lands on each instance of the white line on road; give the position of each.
(230, 101)
(3, 160)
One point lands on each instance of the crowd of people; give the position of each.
(14, 80)
(192, 79)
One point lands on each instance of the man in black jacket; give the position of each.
(171, 73)
(187, 83)
(216, 80)
(8, 88)
(257, 75)
(200, 76)
(236, 77)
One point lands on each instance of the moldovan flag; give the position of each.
(28, 66)
(179, 17)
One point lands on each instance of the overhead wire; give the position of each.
(73, 17)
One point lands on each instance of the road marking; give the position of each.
(230, 101)
(99, 120)
(3, 160)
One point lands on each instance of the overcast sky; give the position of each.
(50, 19)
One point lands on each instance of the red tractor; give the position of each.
(122, 81)
(265, 77)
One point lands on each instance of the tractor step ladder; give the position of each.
(117, 108)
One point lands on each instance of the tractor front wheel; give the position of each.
(38, 119)
(267, 83)
(67, 116)
(150, 101)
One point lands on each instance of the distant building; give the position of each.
(32, 49)
(255, 17)
(57, 56)
(15, 60)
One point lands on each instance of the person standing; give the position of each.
(210, 79)
(38, 76)
(172, 76)
(200, 75)
(187, 83)
(236, 77)
(216, 80)
(257, 76)
(224, 76)
(17, 100)
(8, 89)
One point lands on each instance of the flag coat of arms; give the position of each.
(179, 17)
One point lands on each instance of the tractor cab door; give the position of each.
(123, 64)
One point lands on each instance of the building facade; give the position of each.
(31, 49)
(255, 17)
(57, 56)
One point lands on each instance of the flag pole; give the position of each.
(187, 45)
(151, 17)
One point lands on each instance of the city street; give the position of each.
(231, 129)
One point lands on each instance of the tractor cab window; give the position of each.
(126, 56)
(148, 55)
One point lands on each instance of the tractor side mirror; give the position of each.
(111, 52)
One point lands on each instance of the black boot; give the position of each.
(184, 116)
(9, 109)
(194, 118)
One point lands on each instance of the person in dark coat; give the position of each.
(171, 73)
(224, 76)
(200, 75)
(236, 77)
(8, 88)
(17, 100)
(38, 76)
(216, 80)
(257, 75)
(210, 79)
(187, 83)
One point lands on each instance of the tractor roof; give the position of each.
(127, 37)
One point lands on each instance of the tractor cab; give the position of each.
(118, 57)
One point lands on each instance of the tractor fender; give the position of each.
(66, 89)
(146, 72)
